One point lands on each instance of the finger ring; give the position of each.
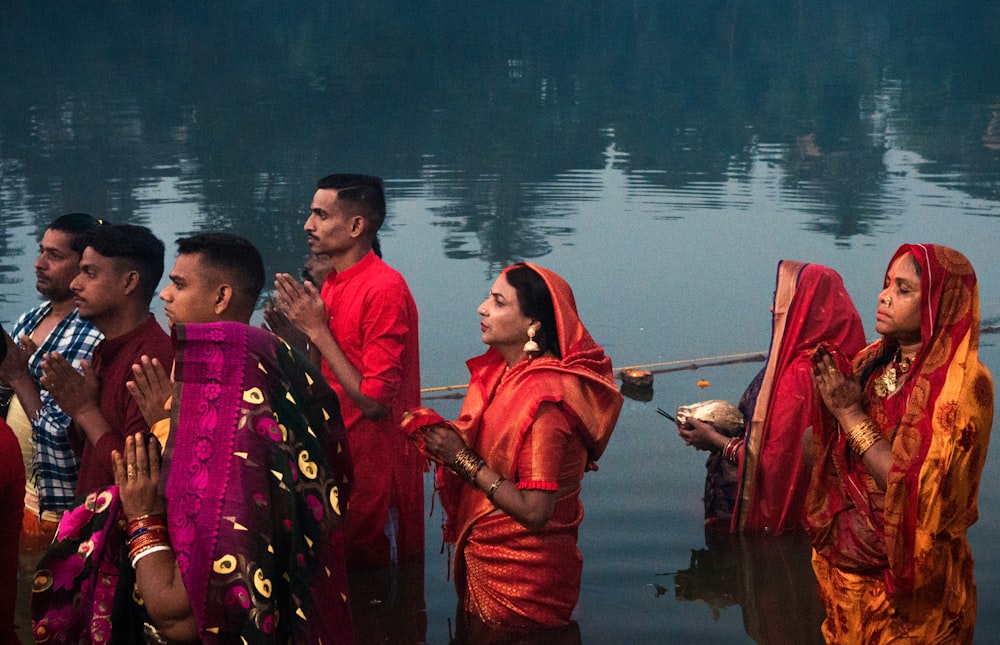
(130, 472)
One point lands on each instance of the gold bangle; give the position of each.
(494, 487)
(467, 464)
(863, 436)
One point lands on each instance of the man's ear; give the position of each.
(223, 296)
(131, 281)
(358, 226)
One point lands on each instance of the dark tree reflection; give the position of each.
(243, 108)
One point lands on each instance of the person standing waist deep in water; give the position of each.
(537, 415)
(899, 446)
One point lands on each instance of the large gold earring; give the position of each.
(531, 347)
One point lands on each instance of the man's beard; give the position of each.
(54, 293)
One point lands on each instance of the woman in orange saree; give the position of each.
(898, 452)
(537, 415)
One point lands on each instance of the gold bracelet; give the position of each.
(467, 464)
(863, 436)
(494, 487)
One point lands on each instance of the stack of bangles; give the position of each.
(467, 465)
(731, 452)
(146, 535)
(863, 436)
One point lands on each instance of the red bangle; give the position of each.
(145, 521)
(731, 451)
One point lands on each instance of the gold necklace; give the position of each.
(886, 383)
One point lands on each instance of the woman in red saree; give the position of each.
(899, 446)
(767, 492)
(537, 415)
(241, 538)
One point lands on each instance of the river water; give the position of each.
(661, 156)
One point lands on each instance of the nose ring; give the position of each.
(482, 312)
(886, 301)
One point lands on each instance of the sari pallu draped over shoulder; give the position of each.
(811, 306)
(257, 472)
(258, 475)
(912, 540)
(582, 386)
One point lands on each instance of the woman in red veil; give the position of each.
(541, 406)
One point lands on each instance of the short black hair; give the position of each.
(135, 246)
(234, 255)
(364, 192)
(74, 225)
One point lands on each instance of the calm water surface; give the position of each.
(661, 156)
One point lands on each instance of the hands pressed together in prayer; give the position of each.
(301, 304)
(151, 388)
(843, 397)
(15, 359)
(841, 394)
(75, 391)
(137, 475)
(277, 322)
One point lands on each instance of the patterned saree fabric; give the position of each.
(257, 473)
(897, 564)
(506, 573)
(811, 306)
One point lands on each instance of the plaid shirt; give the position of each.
(54, 464)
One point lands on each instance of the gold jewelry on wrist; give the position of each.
(494, 487)
(467, 464)
(863, 436)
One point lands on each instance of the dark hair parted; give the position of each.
(535, 301)
(135, 247)
(364, 193)
(74, 225)
(231, 254)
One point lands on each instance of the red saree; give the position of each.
(897, 564)
(540, 424)
(810, 306)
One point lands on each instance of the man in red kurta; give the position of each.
(119, 270)
(365, 326)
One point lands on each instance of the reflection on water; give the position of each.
(661, 156)
(769, 577)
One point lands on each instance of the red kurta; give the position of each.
(373, 318)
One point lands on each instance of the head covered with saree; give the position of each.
(256, 473)
(539, 423)
(580, 380)
(939, 425)
(810, 306)
(591, 395)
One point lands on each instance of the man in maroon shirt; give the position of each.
(119, 271)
